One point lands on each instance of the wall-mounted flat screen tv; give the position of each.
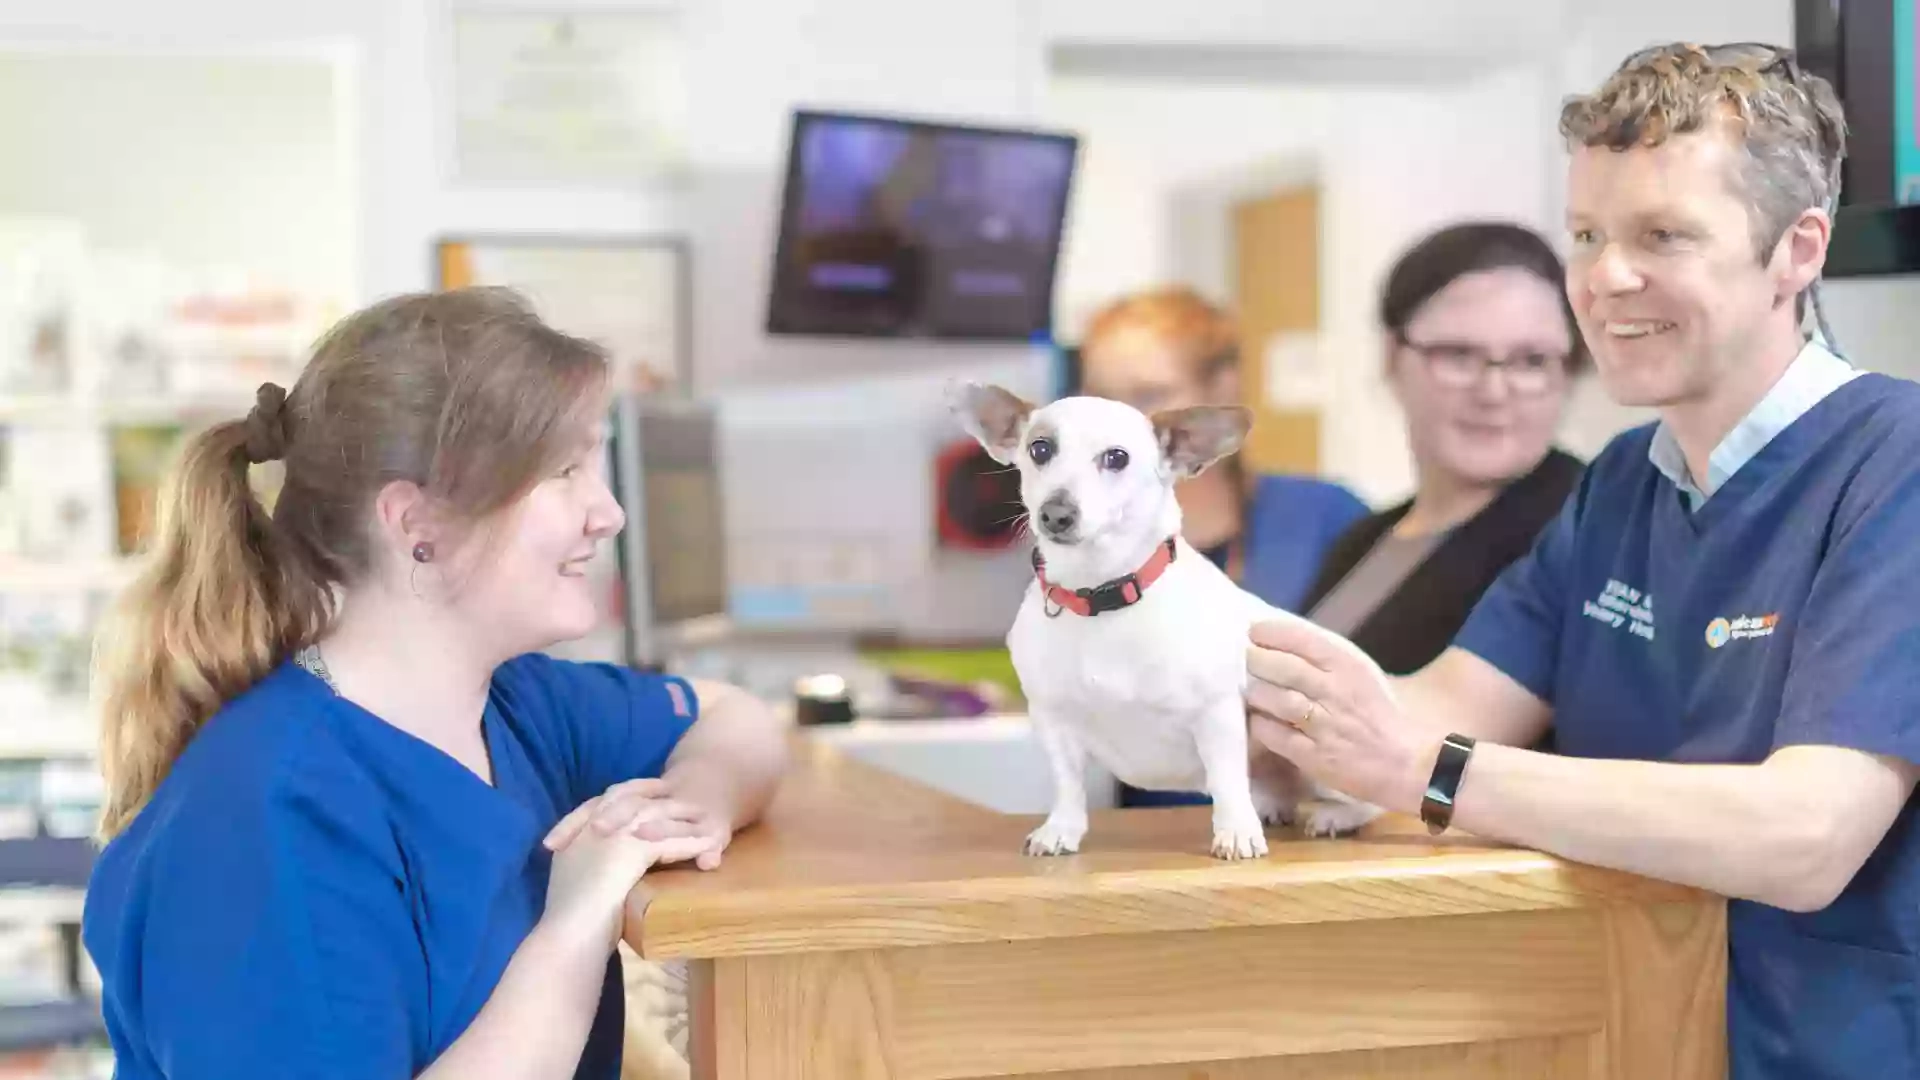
(894, 227)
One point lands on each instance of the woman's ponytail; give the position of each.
(221, 600)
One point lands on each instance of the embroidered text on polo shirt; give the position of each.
(1621, 604)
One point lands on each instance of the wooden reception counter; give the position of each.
(874, 929)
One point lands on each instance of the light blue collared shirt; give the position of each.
(1813, 375)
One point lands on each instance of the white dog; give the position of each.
(1131, 646)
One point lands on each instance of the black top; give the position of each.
(1418, 620)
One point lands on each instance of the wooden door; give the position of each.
(1276, 252)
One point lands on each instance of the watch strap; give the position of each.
(1436, 809)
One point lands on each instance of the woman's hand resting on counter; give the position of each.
(649, 809)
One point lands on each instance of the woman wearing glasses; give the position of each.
(1481, 351)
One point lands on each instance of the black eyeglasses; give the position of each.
(1459, 365)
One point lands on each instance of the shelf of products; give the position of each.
(50, 1019)
(108, 360)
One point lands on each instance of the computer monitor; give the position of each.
(673, 552)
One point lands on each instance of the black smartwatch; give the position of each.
(1437, 808)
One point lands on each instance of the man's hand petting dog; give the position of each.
(1320, 702)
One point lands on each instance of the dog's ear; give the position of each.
(1197, 436)
(992, 415)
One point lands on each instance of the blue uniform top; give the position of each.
(1771, 605)
(315, 892)
(1291, 523)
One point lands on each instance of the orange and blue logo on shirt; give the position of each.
(1722, 630)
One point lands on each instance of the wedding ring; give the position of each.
(1302, 724)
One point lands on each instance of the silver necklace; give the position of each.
(309, 658)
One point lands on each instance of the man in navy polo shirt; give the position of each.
(1723, 626)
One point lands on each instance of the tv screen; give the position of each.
(1865, 48)
(902, 228)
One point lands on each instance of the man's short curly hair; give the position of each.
(1789, 122)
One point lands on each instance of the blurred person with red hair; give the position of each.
(1169, 348)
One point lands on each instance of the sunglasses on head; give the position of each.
(1755, 56)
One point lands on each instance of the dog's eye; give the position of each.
(1113, 459)
(1040, 450)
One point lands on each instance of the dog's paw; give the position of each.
(1055, 837)
(1326, 817)
(1239, 842)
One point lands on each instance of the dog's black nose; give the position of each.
(1058, 515)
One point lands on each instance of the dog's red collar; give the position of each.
(1107, 596)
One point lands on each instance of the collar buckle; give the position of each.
(1111, 595)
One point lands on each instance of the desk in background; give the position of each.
(991, 761)
(872, 928)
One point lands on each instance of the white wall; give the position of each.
(121, 142)
(1142, 143)
(1403, 28)
(389, 112)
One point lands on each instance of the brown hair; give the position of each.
(1789, 123)
(465, 393)
(1202, 337)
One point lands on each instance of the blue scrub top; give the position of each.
(1782, 611)
(315, 892)
(1292, 522)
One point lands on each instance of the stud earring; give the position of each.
(423, 552)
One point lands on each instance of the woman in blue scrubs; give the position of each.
(1720, 625)
(358, 824)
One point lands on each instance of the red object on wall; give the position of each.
(976, 499)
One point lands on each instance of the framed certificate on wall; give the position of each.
(592, 98)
